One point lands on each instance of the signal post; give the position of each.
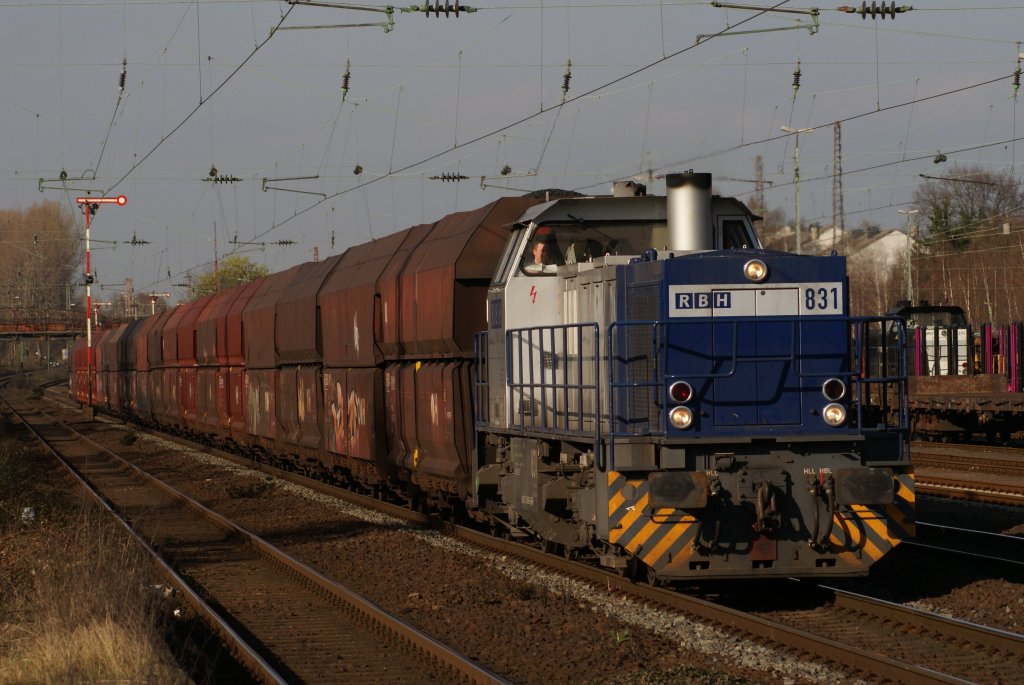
(89, 207)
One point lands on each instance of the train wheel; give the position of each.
(651, 577)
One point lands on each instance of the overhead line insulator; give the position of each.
(796, 78)
(566, 78)
(223, 178)
(345, 79)
(437, 8)
(876, 10)
(124, 74)
(447, 176)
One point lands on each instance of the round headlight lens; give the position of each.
(680, 392)
(755, 270)
(834, 415)
(833, 389)
(681, 418)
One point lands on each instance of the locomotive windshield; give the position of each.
(554, 245)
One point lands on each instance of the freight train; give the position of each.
(965, 380)
(629, 379)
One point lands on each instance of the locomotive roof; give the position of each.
(925, 313)
(609, 208)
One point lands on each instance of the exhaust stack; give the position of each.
(689, 211)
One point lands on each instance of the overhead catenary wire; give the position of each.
(685, 162)
(113, 116)
(393, 172)
(844, 120)
(912, 159)
(871, 209)
(520, 121)
(199, 106)
(392, 164)
(773, 137)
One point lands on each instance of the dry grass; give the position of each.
(77, 597)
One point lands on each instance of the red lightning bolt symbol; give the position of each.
(533, 293)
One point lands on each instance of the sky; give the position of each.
(254, 89)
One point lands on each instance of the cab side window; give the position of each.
(542, 257)
(735, 235)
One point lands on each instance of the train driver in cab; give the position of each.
(542, 257)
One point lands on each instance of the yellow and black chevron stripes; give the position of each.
(866, 533)
(658, 538)
(663, 539)
(902, 516)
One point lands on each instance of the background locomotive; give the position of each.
(628, 378)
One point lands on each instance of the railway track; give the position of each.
(284, 621)
(940, 649)
(810, 638)
(970, 487)
(982, 474)
(1007, 461)
(955, 651)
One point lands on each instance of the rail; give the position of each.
(247, 642)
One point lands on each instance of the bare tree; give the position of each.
(872, 286)
(41, 257)
(970, 248)
(966, 203)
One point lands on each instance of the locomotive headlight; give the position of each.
(834, 415)
(680, 392)
(833, 389)
(681, 418)
(755, 270)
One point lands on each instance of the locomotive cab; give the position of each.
(559, 265)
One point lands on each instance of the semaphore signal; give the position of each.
(119, 200)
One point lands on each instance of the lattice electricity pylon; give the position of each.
(838, 214)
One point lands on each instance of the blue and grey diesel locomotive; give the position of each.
(692, 406)
(651, 389)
